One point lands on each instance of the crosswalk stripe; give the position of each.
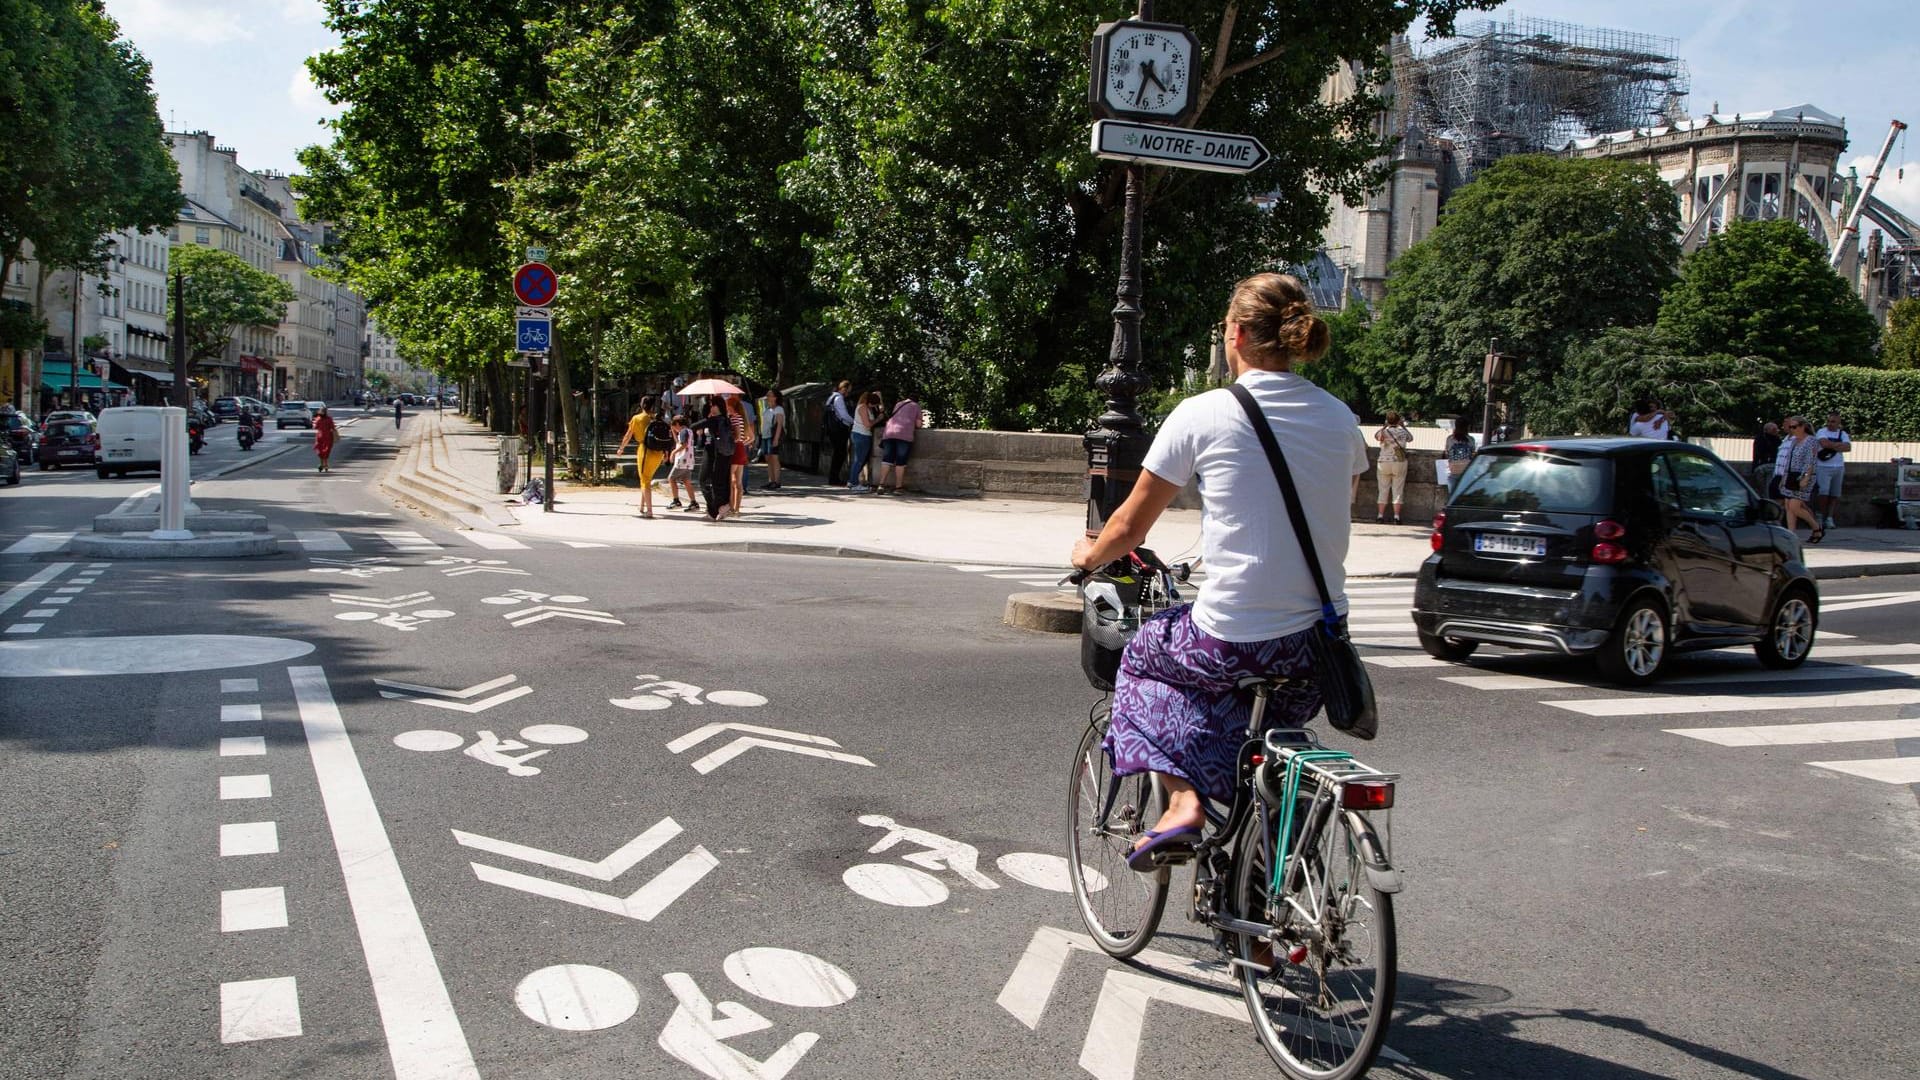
(582, 544)
(1839, 652)
(321, 540)
(39, 543)
(492, 540)
(1365, 601)
(1654, 706)
(1805, 734)
(407, 540)
(1848, 603)
(1408, 661)
(1897, 770)
(1809, 672)
(1364, 626)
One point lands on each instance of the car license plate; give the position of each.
(1509, 545)
(119, 453)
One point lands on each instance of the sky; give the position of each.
(235, 67)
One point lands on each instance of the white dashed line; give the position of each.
(259, 1009)
(239, 686)
(249, 838)
(243, 746)
(25, 628)
(252, 786)
(239, 714)
(253, 909)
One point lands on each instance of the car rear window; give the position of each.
(74, 431)
(1535, 480)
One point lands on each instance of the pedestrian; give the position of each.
(838, 423)
(1830, 467)
(655, 438)
(896, 442)
(766, 404)
(1777, 485)
(864, 419)
(1459, 450)
(750, 413)
(1390, 473)
(1650, 421)
(396, 412)
(324, 432)
(714, 434)
(681, 471)
(1802, 453)
(1766, 446)
(742, 439)
(773, 428)
(1178, 710)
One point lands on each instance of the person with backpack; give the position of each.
(651, 431)
(682, 471)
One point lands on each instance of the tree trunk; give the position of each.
(717, 327)
(562, 385)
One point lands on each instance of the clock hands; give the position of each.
(1147, 72)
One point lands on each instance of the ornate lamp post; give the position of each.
(1496, 374)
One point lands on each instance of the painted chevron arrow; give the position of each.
(808, 745)
(644, 903)
(457, 700)
(543, 612)
(392, 603)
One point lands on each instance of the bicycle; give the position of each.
(1310, 935)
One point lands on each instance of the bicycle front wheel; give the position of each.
(1105, 815)
(1322, 1008)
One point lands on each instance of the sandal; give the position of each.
(1160, 848)
(1816, 536)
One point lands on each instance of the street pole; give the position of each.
(73, 349)
(526, 419)
(1117, 446)
(182, 394)
(546, 503)
(1486, 380)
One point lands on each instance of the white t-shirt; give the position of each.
(1257, 586)
(1839, 458)
(1655, 428)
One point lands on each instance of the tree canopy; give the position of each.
(82, 153)
(1763, 288)
(1601, 379)
(223, 294)
(1900, 347)
(1537, 253)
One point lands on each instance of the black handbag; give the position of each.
(1344, 684)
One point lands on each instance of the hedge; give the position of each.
(1882, 406)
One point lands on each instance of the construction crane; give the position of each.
(1852, 230)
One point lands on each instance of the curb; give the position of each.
(1044, 612)
(790, 547)
(250, 462)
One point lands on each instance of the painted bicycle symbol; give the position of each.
(654, 693)
(490, 749)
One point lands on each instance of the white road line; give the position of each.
(249, 838)
(1849, 603)
(1652, 706)
(1843, 652)
(42, 613)
(69, 590)
(321, 540)
(39, 543)
(1017, 576)
(1808, 673)
(27, 588)
(25, 628)
(1805, 734)
(239, 714)
(1409, 661)
(424, 1037)
(252, 786)
(98, 565)
(1897, 770)
(407, 540)
(243, 746)
(582, 544)
(239, 686)
(492, 540)
(252, 909)
(1365, 601)
(56, 600)
(259, 1009)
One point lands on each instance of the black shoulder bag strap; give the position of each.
(1295, 512)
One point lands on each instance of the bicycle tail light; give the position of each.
(1366, 795)
(1439, 537)
(1607, 551)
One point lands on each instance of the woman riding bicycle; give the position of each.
(1176, 711)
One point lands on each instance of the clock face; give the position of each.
(1148, 70)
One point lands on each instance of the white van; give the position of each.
(129, 440)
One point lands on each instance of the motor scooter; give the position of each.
(251, 430)
(196, 437)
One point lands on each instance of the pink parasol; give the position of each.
(711, 386)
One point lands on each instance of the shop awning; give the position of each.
(158, 370)
(57, 377)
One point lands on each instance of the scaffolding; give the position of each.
(1532, 85)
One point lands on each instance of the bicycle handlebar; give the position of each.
(1137, 559)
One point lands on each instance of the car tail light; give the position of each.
(93, 441)
(1439, 537)
(1606, 551)
(1367, 795)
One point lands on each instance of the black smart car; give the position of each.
(1627, 550)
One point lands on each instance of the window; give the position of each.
(1707, 192)
(1762, 201)
(1522, 481)
(1707, 487)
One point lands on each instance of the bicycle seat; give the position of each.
(1256, 682)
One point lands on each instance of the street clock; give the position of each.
(1143, 71)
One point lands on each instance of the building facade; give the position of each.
(226, 206)
(387, 369)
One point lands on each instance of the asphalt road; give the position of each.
(520, 838)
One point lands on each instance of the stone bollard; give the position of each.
(508, 464)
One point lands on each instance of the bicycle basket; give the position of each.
(1105, 631)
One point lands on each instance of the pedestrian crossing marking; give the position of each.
(582, 544)
(1868, 600)
(39, 543)
(321, 540)
(493, 541)
(1655, 706)
(406, 540)
(1805, 734)
(1811, 671)
(1897, 770)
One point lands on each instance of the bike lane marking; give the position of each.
(424, 1036)
(32, 585)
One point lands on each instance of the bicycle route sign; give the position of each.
(535, 284)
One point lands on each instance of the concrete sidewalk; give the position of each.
(454, 458)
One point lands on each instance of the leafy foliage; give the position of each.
(1763, 288)
(1601, 379)
(1880, 405)
(1537, 253)
(82, 153)
(223, 294)
(1338, 372)
(1900, 347)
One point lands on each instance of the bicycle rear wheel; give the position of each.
(1324, 1017)
(1105, 815)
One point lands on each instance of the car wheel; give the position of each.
(1789, 630)
(101, 473)
(1637, 649)
(1446, 648)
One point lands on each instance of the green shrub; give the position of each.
(1874, 404)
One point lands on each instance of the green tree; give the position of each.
(1601, 379)
(1763, 288)
(1900, 347)
(1338, 371)
(82, 153)
(1537, 253)
(223, 294)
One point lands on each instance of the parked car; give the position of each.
(292, 412)
(1625, 550)
(225, 408)
(129, 440)
(9, 464)
(67, 442)
(61, 416)
(21, 433)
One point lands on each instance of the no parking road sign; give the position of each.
(535, 284)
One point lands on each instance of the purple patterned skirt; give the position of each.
(1175, 707)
